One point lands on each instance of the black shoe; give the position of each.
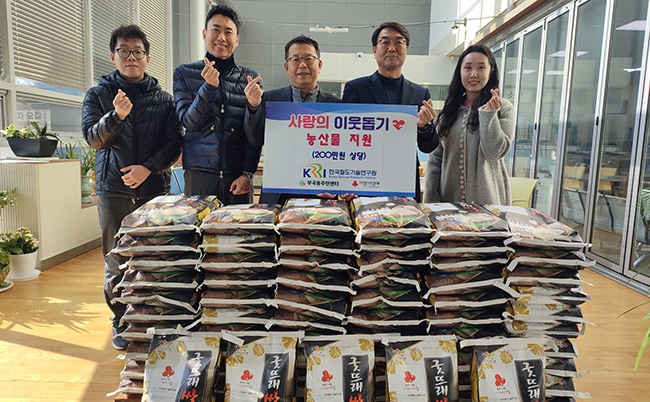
(118, 342)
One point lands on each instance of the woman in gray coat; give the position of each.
(476, 128)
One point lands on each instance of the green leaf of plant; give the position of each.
(644, 345)
(633, 308)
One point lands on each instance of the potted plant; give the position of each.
(86, 156)
(7, 198)
(22, 247)
(87, 167)
(5, 267)
(31, 141)
(87, 160)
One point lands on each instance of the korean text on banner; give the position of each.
(339, 148)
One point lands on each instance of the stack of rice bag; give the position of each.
(315, 256)
(161, 278)
(393, 241)
(465, 287)
(466, 293)
(544, 270)
(239, 264)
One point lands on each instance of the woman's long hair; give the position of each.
(456, 95)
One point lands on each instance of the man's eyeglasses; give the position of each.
(126, 53)
(309, 60)
(398, 43)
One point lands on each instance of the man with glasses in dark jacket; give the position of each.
(132, 124)
(217, 157)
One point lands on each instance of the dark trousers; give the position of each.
(111, 211)
(204, 183)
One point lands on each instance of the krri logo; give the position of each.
(408, 377)
(498, 380)
(355, 183)
(327, 377)
(314, 171)
(398, 124)
(168, 372)
(246, 376)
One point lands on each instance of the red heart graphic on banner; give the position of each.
(398, 124)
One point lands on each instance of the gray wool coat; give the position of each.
(468, 164)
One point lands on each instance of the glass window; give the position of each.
(181, 38)
(49, 43)
(154, 21)
(105, 16)
(62, 119)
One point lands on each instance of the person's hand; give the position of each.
(209, 73)
(240, 186)
(426, 114)
(495, 101)
(253, 91)
(134, 175)
(122, 105)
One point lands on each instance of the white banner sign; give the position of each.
(338, 148)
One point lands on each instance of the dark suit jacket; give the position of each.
(370, 90)
(256, 120)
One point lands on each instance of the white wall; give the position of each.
(425, 70)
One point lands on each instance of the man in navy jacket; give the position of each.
(302, 64)
(209, 94)
(387, 85)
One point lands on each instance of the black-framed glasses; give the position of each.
(126, 53)
(387, 43)
(309, 60)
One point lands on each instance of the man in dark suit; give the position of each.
(302, 64)
(387, 85)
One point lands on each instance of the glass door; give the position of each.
(509, 86)
(555, 60)
(525, 129)
(640, 255)
(617, 139)
(583, 95)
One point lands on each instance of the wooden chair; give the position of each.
(604, 185)
(573, 176)
(521, 189)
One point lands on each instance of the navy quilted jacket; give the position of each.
(213, 117)
(151, 135)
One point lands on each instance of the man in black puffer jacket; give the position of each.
(217, 157)
(132, 124)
